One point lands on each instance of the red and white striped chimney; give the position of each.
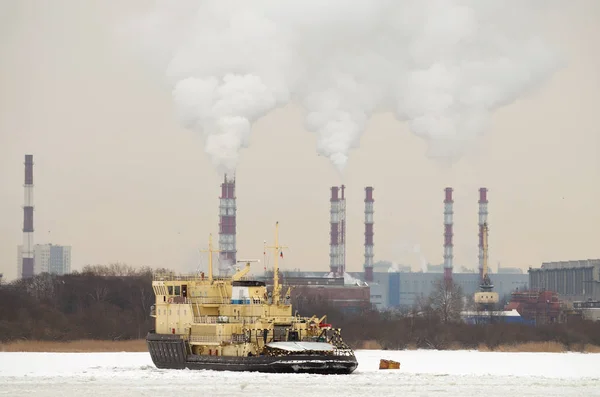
(27, 265)
(369, 233)
(337, 235)
(448, 233)
(483, 214)
(342, 261)
(334, 227)
(227, 225)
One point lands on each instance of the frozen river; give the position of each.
(422, 373)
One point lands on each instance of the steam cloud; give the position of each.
(443, 66)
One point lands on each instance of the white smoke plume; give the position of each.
(407, 251)
(443, 66)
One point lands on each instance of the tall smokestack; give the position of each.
(369, 233)
(227, 225)
(27, 250)
(483, 214)
(448, 233)
(337, 234)
(334, 230)
(342, 262)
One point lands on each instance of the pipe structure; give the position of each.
(483, 215)
(448, 233)
(342, 253)
(334, 228)
(369, 201)
(337, 231)
(227, 225)
(27, 265)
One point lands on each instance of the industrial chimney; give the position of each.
(342, 266)
(448, 225)
(27, 265)
(337, 234)
(369, 233)
(227, 225)
(483, 214)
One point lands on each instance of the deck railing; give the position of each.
(212, 300)
(225, 319)
(211, 338)
(192, 277)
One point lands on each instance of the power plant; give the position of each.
(381, 287)
(379, 284)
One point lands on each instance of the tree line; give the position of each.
(113, 303)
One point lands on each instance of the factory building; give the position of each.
(47, 258)
(588, 310)
(348, 298)
(403, 290)
(577, 280)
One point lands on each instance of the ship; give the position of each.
(237, 323)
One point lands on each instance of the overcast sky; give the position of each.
(118, 179)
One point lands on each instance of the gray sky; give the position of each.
(117, 178)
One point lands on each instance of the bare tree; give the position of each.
(446, 300)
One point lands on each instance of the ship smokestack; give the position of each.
(448, 233)
(27, 265)
(227, 225)
(337, 234)
(369, 233)
(483, 214)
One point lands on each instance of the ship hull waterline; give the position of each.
(171, 352)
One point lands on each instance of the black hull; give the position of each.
(171, 352)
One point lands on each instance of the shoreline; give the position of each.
(139, 345)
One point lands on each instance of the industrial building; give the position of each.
(539, 307)
(47, 258)
(334, 291)
(499, 316)
(577, 280)
(403, 290)
(588, 310)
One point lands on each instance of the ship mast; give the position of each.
(277, 250)
(210, 252)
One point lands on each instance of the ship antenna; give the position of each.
(277, 249)
(210, 252)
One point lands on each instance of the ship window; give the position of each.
(177, 290)
(170, 290)
(185, 312)
(169, 312)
